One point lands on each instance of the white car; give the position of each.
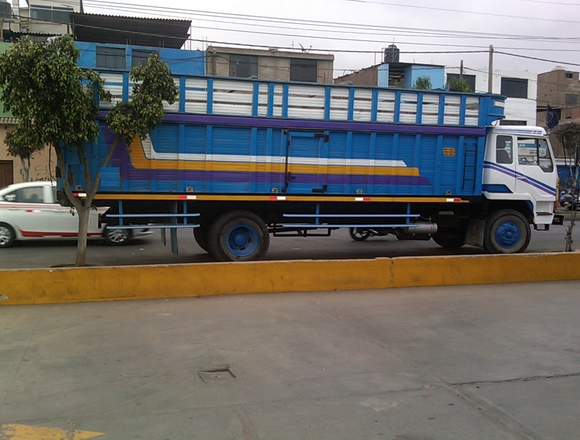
(30, 211)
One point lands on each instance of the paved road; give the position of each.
(477, 363)
(150, 250)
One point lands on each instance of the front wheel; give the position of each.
(507, 232)
(358, 234)
(238, 236)
(7, 235)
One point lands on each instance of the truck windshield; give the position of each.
(535, 151)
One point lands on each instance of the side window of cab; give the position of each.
(31, 194)
(535, 152)
(504, 149)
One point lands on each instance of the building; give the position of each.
(269, 64)
(520, 88)
(559, 89)
(112, 42)
(393, 73)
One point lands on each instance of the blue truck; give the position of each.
(239, 160)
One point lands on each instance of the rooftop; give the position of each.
(269, 53)
(141, 31)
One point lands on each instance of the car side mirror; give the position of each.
(10, 197)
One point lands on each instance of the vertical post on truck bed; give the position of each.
(490, 70)
(173, 232)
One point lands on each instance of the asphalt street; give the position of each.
(150, 249)
(455, 363)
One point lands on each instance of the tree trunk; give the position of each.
(575, 191)
(84, 215)
(25, 171)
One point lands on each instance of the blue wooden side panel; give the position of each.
(192, 158)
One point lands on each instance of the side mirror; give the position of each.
(10, 197)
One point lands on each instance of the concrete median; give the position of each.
(69, 285)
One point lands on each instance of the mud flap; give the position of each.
(475, 232)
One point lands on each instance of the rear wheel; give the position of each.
(507, 232)
(201, 236)
(7, 235)
(358, 234)
(238, 236)
(449, 239)
(117, 237)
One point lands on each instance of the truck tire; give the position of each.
(7, 235)
(201, 236)
(507, 231)
(358, 234)
(449, 239)
(238, 236)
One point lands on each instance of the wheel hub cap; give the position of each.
(508, 234)
(4, 235)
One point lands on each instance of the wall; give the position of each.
(181, 62)
(273, 65)
(518, 109)
(39, 165)
(364, 77)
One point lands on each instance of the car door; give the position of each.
(24, 208)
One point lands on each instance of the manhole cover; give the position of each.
(215, 374)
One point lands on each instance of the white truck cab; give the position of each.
(519, 165)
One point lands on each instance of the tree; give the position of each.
(459, 85)
(56, 104)
(423, 83)
(569, 135)
(22, 144)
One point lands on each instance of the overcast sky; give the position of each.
(557, 18)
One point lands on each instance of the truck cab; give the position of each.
(519, 166)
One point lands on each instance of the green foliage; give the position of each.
(153, 85)
(459, 85)
(423, 83)
(52, 98)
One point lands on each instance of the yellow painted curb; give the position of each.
(67, 285)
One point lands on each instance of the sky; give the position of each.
(548, 18)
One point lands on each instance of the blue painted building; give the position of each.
(120, 57)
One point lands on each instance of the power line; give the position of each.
(465, 11)
(326, 24)
(537, 59)
(552, 2)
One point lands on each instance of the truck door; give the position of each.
(500, 165)
(535, 169)
(305, 165)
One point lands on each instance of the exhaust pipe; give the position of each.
(423, 228)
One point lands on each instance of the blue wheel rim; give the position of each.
(508, 234)
(242, 241)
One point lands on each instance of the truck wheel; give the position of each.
(201, 235)
(449, 239)
(7, 235)
(238, 236)
(506, 232)
(358, 234)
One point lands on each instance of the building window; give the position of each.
(512, 122)
(111, 58)
(303, 70)
(570, 75)
(514, 87)
(52, 14)
(140, 56)
(571, 99)
(504, 150)
(455, 78)
(243, 66)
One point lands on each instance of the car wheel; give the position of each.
(117, 237)
(358, 234)
(7, 235)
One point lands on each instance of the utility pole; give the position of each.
(490, 70)
(461, 70)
